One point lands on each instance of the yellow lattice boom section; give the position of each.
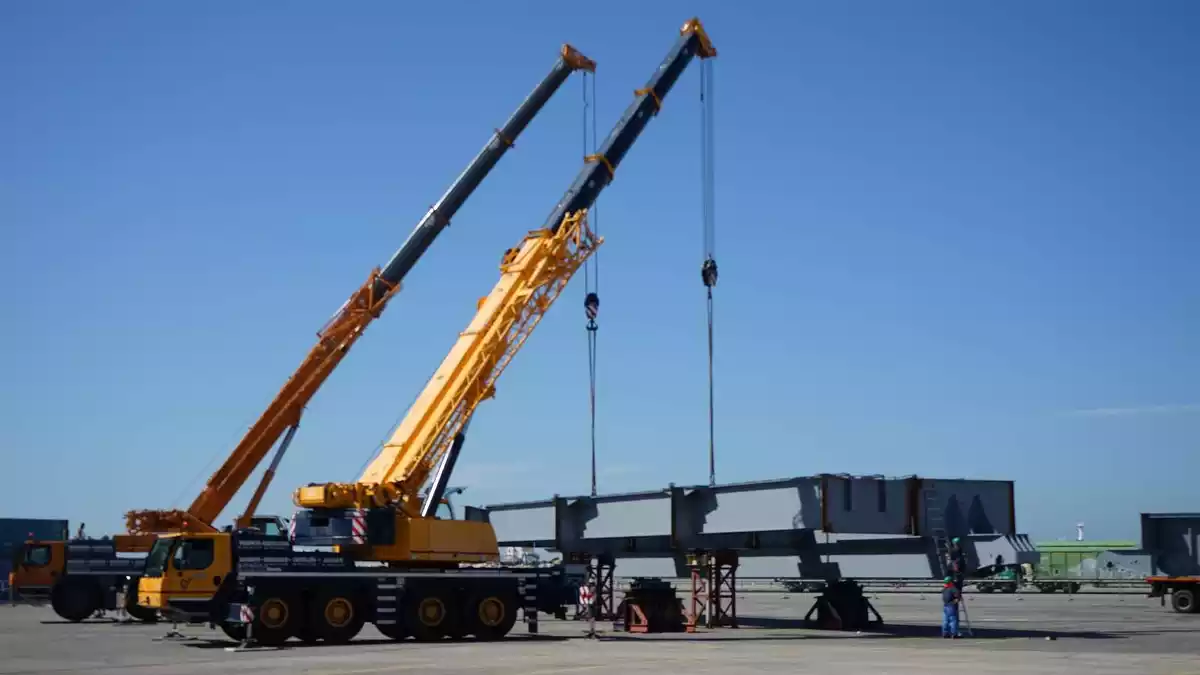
(532, 275)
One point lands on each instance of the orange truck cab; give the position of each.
(78, 577)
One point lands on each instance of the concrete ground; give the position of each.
(1094, 634)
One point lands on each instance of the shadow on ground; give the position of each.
(218, 643)
(899, 630)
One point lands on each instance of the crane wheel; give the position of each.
(430, 615)
(1183, 600)
(275, 620)
(491, 614)
(335, 616)
(75, 601)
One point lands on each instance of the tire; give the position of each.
(277, 618)
(491, 614)
(75, 601)
(1011, 588)
(1073, 587)
(430, 614)
(1183, 600)
(335, 616)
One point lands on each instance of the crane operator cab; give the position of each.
(185, 572)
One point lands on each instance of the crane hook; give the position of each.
(708, 272)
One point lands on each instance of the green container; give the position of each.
(1066, 559)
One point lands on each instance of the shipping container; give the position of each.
(1173, 539)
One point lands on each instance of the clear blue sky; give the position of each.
(954, 241)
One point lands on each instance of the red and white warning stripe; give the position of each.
(358, 526)
(292, 528)
(586, 595)
(246, 614)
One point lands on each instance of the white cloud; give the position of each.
(1128, 411)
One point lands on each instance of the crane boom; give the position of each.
(533, 274)
(347, 325)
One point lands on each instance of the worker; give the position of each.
(958, 563)
(951, 596)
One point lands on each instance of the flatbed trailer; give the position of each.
(276, 592)
(1183, 591)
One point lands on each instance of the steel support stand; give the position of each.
(604, 596)
(713, 590)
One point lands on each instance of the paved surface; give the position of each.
(1097, 635)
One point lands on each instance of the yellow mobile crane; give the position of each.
(393, 562)
(82, 576)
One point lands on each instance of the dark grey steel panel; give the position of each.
(761, 519)
(532, 526)
(972, 506)
(639, 515)
(764, 507)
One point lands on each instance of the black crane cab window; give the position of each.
(37, 555)
(193, 554)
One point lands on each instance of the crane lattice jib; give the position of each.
(533, 275)
(350, 321)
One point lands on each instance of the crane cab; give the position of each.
(184, 573)
(37, 565)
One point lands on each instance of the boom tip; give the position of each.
(576, 60)
(706, 48)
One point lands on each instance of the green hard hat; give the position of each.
(955, 540)
(948, 580)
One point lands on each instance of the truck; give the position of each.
(84, 576)
(381, 553)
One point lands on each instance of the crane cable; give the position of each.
(708, 269)
(591, 270)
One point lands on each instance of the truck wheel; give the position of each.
(335, 617)
(490, 615)
(275, 620)
(429, 614)
(74, 601)
(1183, 600)
(986, 588)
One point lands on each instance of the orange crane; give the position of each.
(431, 584)
(96, 571)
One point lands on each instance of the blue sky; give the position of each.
(955, 239)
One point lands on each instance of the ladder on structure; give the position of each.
(935, 520)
